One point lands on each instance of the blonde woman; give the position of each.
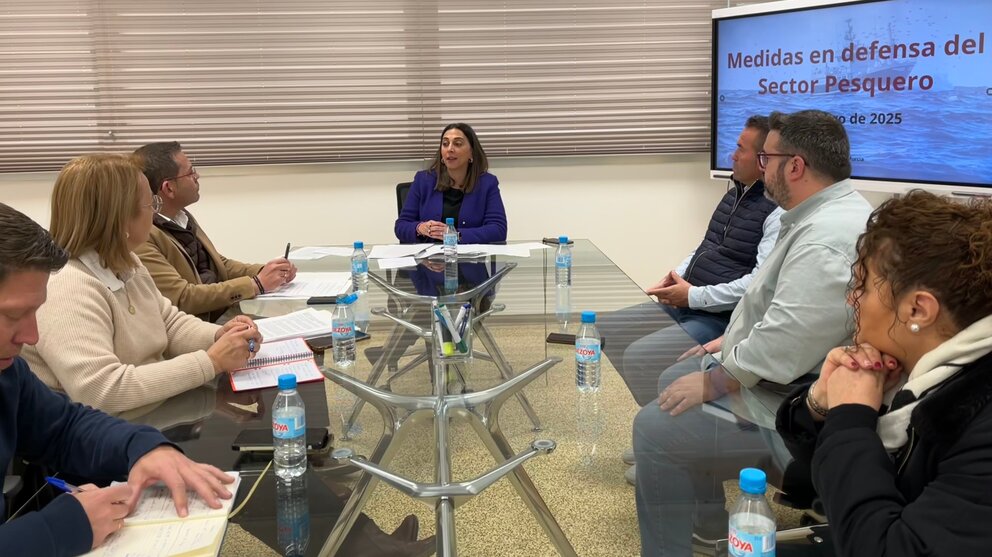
(109, 339)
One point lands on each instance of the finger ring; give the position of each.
(850, 349)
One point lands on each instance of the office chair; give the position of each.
(11, 488)
(402, 190)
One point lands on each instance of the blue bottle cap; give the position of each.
(347, 298)
(359, 245)
(588, 316)
(562, 240)
(449, 221)
(287, 381)
(752, 481)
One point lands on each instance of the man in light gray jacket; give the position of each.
(792, 313)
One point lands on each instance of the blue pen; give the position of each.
(62, 485)
(463, 320)
(251, 345)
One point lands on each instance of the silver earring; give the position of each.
(914, 327)
(127, 235)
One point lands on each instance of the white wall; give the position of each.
(643, 211)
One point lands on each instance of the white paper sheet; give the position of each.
(397, 250)
(396, 263)
(187, 538)
(318, 252)
(306, 285)
(481, 250)
(306, 323)
(156, 505)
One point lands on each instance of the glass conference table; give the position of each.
(559, 451)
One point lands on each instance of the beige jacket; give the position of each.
(174, 274)
(99, 353)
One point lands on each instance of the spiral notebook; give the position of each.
(274, 359)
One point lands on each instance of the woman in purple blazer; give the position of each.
(457, 185)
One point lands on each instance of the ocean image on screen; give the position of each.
(910, 79)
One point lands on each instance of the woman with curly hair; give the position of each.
(898, 428)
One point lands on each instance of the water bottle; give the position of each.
(589, 427)
(450, 240)
(292, 516)
(563, 263)
(360, 286)
(587, 364)
(752, 524)
(563, 306)
(359, 269)
(289, 426)
(343, 331)
(450, 277)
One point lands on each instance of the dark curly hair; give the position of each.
(922, 241)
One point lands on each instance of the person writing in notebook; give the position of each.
(109, 338)
(46, 428)
(182, 260)
(459, 186)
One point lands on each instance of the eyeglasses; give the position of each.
(156, 204)
(763, 158)
(192, 171)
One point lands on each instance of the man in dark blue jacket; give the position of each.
(45, 427)
(702, 292)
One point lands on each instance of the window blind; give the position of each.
(273, 81)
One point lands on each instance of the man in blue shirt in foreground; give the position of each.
(45, 427)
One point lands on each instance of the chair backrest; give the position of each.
(402, 189)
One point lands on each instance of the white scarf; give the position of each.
(935, 367)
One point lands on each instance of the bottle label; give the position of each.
(360, 267)
(343, 330)
(743, 544)
(451, 239)
(563, 261)
(289, 427)
(587, 350)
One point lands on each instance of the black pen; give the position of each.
(287, 251)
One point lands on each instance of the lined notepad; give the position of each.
(154, 530)
(274, 359)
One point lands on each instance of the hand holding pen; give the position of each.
(277, 272)
(105, 507)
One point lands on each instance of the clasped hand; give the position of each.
(231, 349)
(432, 229)
(672, 290)
(856, 375)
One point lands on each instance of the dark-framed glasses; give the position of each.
(763, 158)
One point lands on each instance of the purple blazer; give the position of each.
(481, 219)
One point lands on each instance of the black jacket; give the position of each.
(729, 249)
(932, 498)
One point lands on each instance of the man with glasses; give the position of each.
(791, 315)
(186, 266)
(702, 291)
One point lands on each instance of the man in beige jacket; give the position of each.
(182, 260)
